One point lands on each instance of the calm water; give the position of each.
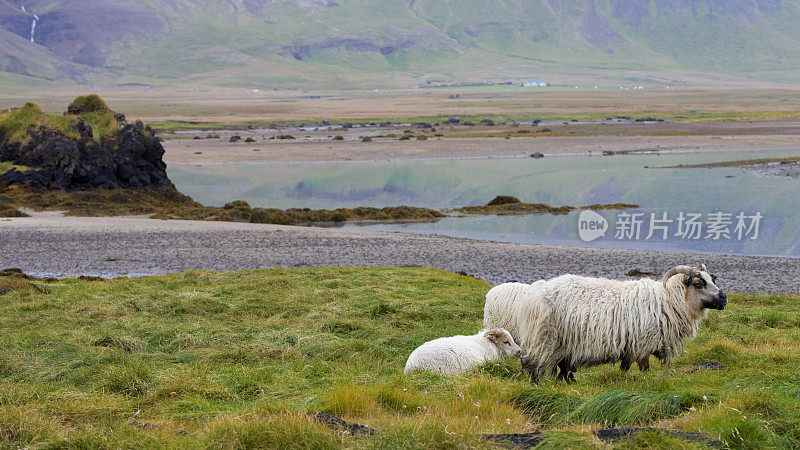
(572, 181)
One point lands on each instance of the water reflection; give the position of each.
(572, 181)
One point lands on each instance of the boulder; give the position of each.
(129, 158)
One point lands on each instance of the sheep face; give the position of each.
(702, 292)
(503, 341)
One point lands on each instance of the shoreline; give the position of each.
(479, 142)
(622, 153)
(139, 246)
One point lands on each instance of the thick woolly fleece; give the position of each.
(453, 355)
(587, 321)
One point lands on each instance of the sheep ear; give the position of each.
(491, 335)
(703, 268)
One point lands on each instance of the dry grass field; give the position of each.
(170, 107)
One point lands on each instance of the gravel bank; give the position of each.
(50, 245)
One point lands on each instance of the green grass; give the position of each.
(240, 359)
(90, 102)
(15, 123)
(5, 166)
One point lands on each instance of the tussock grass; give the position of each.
(22, 285)
(14, 123)
(613, 408)
(91, 109)
(87, 103)
(243, 359)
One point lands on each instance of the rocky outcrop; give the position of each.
(130, 157)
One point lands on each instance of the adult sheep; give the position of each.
(572, 321)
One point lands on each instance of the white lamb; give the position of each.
(457, 354)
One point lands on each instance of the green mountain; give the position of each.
(336, 43)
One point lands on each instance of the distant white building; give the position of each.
(534, 83)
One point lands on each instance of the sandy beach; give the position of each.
(49, 244)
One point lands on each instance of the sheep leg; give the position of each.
(644, 364)
(566, 371)
(626, 363)
(534, 369)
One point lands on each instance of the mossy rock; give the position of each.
(271, 215)
(502, 200)
(237, 204)
(8, 211)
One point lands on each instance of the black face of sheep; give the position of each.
(702, 289)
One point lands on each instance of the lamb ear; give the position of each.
(491, 335)
(703, 268)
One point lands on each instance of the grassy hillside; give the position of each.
(241, 359)
(293, 43)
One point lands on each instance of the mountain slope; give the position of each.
(390, 42)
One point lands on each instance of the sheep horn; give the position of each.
(688, 270)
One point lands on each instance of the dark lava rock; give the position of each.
(638, 273)
(537, 155)
(519, 440)
(608, 152)
(617, 434)
(235, 138)
(710, 365)
(91, 278)
(129, 158)
(336, 423)
(144, 426)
